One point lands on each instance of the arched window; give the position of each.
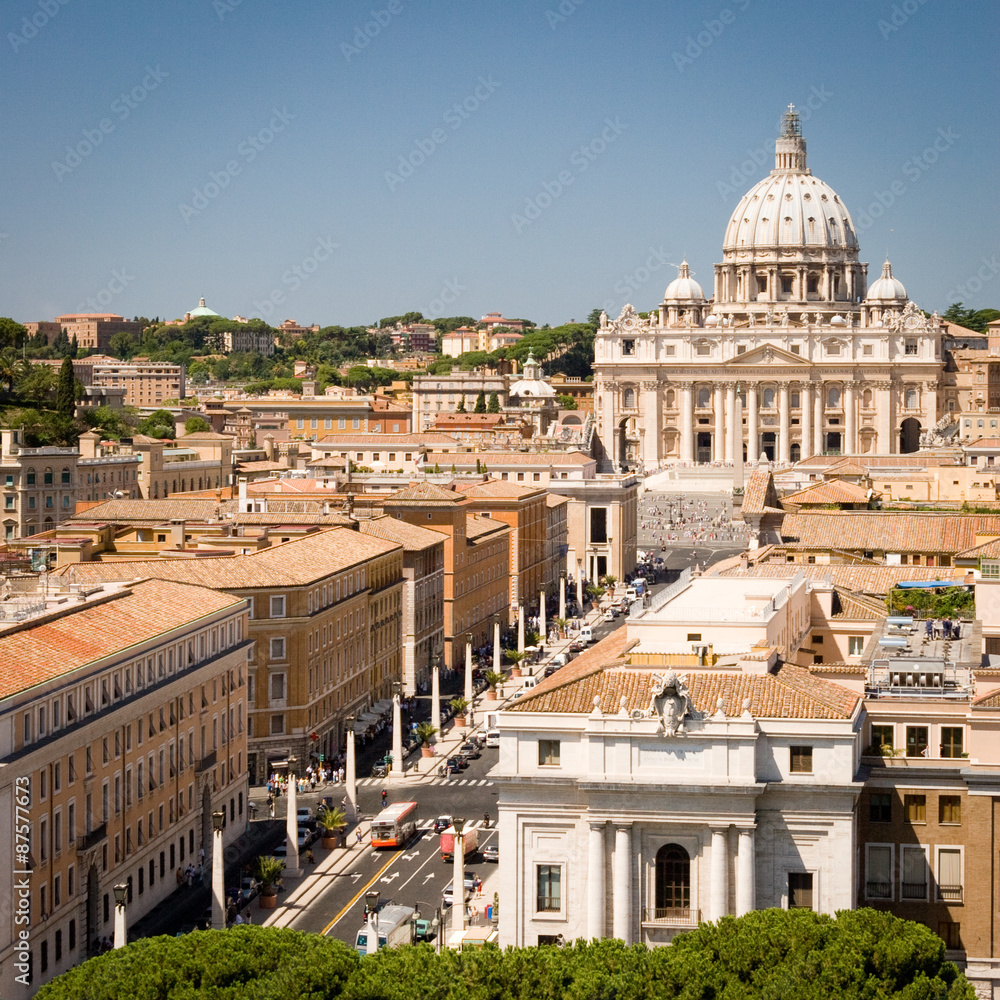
(47, 476)
(673, 881)
(866, 399)
(910, 399)
(628, 398)
(670, 397)
(704, 397)
(833, 396)
(768, 399)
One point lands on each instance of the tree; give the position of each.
(196, 425)
(461, 405)
(66, 389)
(122, 345)
(494, 404)
(426, 732)
(12, 367)
(159, 424)
(493, 678)
(332, 819)
(480, 406)
(971, 319)
(12, 333)
(459, 706)
(37, 384)
(566, 402)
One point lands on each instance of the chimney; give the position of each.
(177, 533)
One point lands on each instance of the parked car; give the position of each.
(453, 766)
(491, 852)
(249, 888)
(470, 888)
(550, 670)
(576, 646)
(461, 761)
(610, 615)
(470, 749)
(304, 816)
(305, 837)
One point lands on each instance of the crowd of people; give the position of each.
(666, 519)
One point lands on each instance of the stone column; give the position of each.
(351, 769)
(458, 881)
(541, 617)
(718, 883)
(806, 425)
(622, 911)
(784, 445)
(850, 420)
(436, 697)
(652, 416)
(687, 423)
(718, 424)
(579, 590)
(818, 404)
(733, 434)
(753, 436)
(218, 879)
(397, 732)
(497, 654)
(562, 588)
(468, 693)
(520, 627)
(595, 882)
(745, 874)
(292, 868)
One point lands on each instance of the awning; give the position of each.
(916, 584)
(381, 707)
(370, 718)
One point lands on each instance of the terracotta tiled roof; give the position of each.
(887, 530)
(293, 564)
(991, 699)
(156, 511)
(988, 550)
(841, 668)
(535, 458)
(755, 491)
(143, 612)
(981, 443)
(858, 607)
(276, 517)
(834, 491)
(263, 465)
(555, 500)
(389, 440)
(205, 436)
(412, 537)
(865, 578)
(424, 493)
(499, 489)
(788, 693)
(477, 525)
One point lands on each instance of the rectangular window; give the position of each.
(277, 687)
(951, 933)
(951, 741)
(628, 348)
(913, 867)
(880, 807)
(915, 808)
(277, 725)
(882, 736)
(949, 875)
(278, 606)
(950, 809)
(598, 524)
(916, 741)
(548, 880)
(800, 890)
(801, 760)
(277, 648)
(548, 752)
(855, 645)
(878, 874)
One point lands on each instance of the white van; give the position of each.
(529, 683)
(586, 634)
(492, 739)
(631, 594)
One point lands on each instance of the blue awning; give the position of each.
(916, 584)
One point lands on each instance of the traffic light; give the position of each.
(321, 758)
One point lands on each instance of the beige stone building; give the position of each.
(122, 729)
(147, 384)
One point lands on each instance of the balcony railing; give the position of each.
(93, 838)
(914, 890)
(878, 890)
(206, 762)
(950, 893)
(671, 916)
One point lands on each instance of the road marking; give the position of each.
(357, 896)
(410, 856)
(389, 879)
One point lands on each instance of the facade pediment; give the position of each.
(767, 354)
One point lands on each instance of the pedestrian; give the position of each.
(310, 858)
(385, 795)
(357, 836)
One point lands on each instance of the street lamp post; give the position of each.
(350, 770)
(121, 932)
(436, 694)
(292, 869)
(397, 728)
(468, 694)
(458, 881)
(218, 872)
(371, 906)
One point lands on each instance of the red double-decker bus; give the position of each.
(394, 825)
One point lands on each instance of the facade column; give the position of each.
(687, 423)
(595, 882)
(746, 874)
(784, 452)
(622, 911)
(850, 420)
(652, 410)
(719, 424)
(818, 403)
(718, 883)
(806, 425)
(883, 409)
(753, 437)
(929, 402)
(732, 431)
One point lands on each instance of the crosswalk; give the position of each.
(451, 782)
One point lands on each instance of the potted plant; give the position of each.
(459, 706)
(268, 873)
(562, 624)
(333, 821)
(425, 733)
(493, 678)
(515, 656)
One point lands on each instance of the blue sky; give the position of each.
(339, 161)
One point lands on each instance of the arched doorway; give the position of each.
(768, 444)
(673, 882)
(795, 452)
(703, 451)
(909, 435)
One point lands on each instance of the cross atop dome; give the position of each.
(790, 124)
(790, 147)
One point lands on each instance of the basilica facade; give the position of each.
(794, 355)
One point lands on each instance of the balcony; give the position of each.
(950, 893)
(914, 890)
(92, 839)
(671, 916)
(207, 762)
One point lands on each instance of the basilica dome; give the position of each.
(790, 207)
(887, 288)
(683, 288)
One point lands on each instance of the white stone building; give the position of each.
(794, 355)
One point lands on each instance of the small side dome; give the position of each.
(712, 320)
(838, 321)
(684, 288)
(886, 288)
